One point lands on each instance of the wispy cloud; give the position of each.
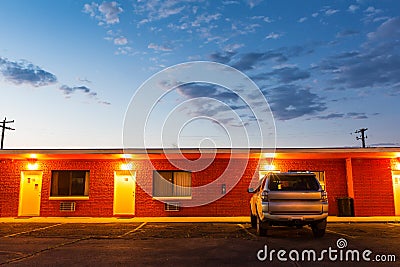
(68, 91)
(24, 72)
(375, 65)
(105, 13)
(157, 47)
(120, 41)
(284, 75)
(273, 35)
(353, 8)
(292, 101)
(301, 20)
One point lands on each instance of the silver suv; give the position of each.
(292, 199)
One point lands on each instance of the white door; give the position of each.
(30, 193)
(396, 191)
(124, 193)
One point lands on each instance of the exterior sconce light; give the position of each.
(126, 166)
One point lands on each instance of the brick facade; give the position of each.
(372, 181)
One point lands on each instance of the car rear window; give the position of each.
(293, 183)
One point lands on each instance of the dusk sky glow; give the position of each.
(68, 69)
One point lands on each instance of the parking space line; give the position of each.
(34, 230)
(44, 250)
(247, 231)
(338, 233)
(132, 231)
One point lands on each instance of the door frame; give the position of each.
(132, 175)
(21, 191)
(396, 193)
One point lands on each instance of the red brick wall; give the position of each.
(335, 176)
(234, 203)
(373, 188)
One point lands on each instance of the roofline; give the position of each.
(196, 150)
(159, 153)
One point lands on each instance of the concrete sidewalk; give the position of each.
(244, 219)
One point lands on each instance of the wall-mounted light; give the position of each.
(32, 166)
(126, 156)
(397, 164)
(267, 167)
(269, 155)
(126, 166)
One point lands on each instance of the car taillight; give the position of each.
(324, 195)
(264, 196)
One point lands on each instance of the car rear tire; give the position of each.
(261, 227)
(319, 228)
(253, 220)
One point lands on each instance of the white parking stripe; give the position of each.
(338, 233)
(247, 231)
(34, 230)
(134, 230)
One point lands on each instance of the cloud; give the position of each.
(156, 10)
(288, 74)
(273, 35)
(292, 101)
(253, 3)
(301, 20)
(120, 41)
(249, 61)
(347, 33)
(330, 12)
(68, 91)
(330, 116)
(24, 72)
(107, 12)
(159, 47)
(375, 65)
(222, 57)
(388, 30)
(196, 90)
(353, 8)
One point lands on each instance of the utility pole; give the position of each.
(4, 127)
(363, 136)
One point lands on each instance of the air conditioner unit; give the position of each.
(171, 206)
(67, 206)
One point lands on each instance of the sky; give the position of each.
(76, 74)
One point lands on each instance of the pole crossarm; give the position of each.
(4, 127)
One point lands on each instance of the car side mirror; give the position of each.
(250, 190)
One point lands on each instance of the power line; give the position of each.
(4, 127)
(363, 136)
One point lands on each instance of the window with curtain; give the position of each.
(69, 183)
(172, 184)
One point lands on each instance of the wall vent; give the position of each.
(171, 206)
(67, 206)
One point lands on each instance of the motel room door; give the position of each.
(396, 191)
(30, 193)
(124, 193)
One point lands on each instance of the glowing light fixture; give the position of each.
(126, 166)
(269, 155)
(32, 166)
(126, 156)
(268, 167)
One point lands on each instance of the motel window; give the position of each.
(320, 175)
(69, 183)
(172, 184)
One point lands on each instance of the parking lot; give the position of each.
(195, 244)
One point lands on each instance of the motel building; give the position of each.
(133, 182)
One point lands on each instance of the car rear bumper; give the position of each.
(293, 219)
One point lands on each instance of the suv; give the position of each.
(292, 199)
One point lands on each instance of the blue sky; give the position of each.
(68, 69)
